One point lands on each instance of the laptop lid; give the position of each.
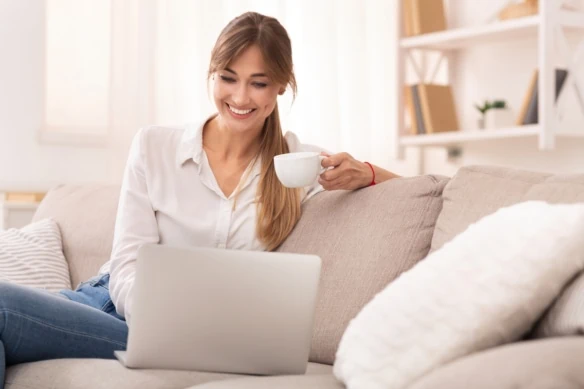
(220, 310)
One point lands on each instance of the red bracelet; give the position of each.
(372, 171)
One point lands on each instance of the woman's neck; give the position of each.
(229, 145)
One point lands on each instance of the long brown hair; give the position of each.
(278, 207)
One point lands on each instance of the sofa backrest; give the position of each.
(476, 191)
(365, 238)
(86, 216)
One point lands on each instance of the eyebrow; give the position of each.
(253, 75)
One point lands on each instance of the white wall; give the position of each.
(502, 71)
(25, 164)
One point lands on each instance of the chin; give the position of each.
(239, 125)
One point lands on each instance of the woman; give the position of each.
(212, 184)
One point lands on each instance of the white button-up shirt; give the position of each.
(169, 195)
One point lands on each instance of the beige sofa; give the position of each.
(366, 239)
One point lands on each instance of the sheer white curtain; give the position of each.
(343, 56)
(160, 49)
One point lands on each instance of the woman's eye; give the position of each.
(227, 79)
(259, 85)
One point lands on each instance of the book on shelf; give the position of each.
(519, 10)
(529, 113)
(430, 108)
(527, 98)
(410, 107)
(423, 16)
(419, 116)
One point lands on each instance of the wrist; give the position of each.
(370, 174)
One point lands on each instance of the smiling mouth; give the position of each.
(240, 112)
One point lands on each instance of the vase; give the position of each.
(481, 123)
(498, 118)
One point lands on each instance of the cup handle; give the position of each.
(322, 169)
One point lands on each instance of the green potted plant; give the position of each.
(483, 110)
(494, 114)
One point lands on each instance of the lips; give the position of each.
(240, 113)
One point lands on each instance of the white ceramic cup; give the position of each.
(297, 170)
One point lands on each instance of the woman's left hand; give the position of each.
(347, 172)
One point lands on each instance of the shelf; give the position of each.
(469, 36)
(458, 137)
(494, 32)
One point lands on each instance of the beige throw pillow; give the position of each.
(33, 256)
(365, 238)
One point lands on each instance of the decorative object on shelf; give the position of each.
(494, 114)
(482, 109)
(431, 108)
(499, 116)
(519, 10)
(423, 16)
(529, 108)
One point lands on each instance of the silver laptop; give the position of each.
(231, 311)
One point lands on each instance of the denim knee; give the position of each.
(94, 293)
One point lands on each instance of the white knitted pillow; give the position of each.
(33, 256)
(484, 288)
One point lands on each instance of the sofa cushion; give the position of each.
(365, 239)
(476, 191)
(33, 256)
(86, 216)
(322, 381)
(542, 364)
(484, 288)
(108, 374)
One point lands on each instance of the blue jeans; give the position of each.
(37, 325)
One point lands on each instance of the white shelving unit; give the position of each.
(460, 38)
(548, 28)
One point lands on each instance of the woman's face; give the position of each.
(243, 94)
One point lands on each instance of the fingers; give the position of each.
(333, 174)
(334, 160)
(340, 183)
(345, 172)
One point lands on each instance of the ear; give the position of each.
(281, 91)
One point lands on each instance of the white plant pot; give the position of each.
(481, 123)
(498, 118)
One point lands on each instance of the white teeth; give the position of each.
(238, 111)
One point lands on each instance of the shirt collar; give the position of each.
(191, 146)
(191, 143)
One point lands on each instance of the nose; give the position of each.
(240, 96)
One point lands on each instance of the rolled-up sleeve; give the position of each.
(135, 226)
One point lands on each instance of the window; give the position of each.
(77, 72)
